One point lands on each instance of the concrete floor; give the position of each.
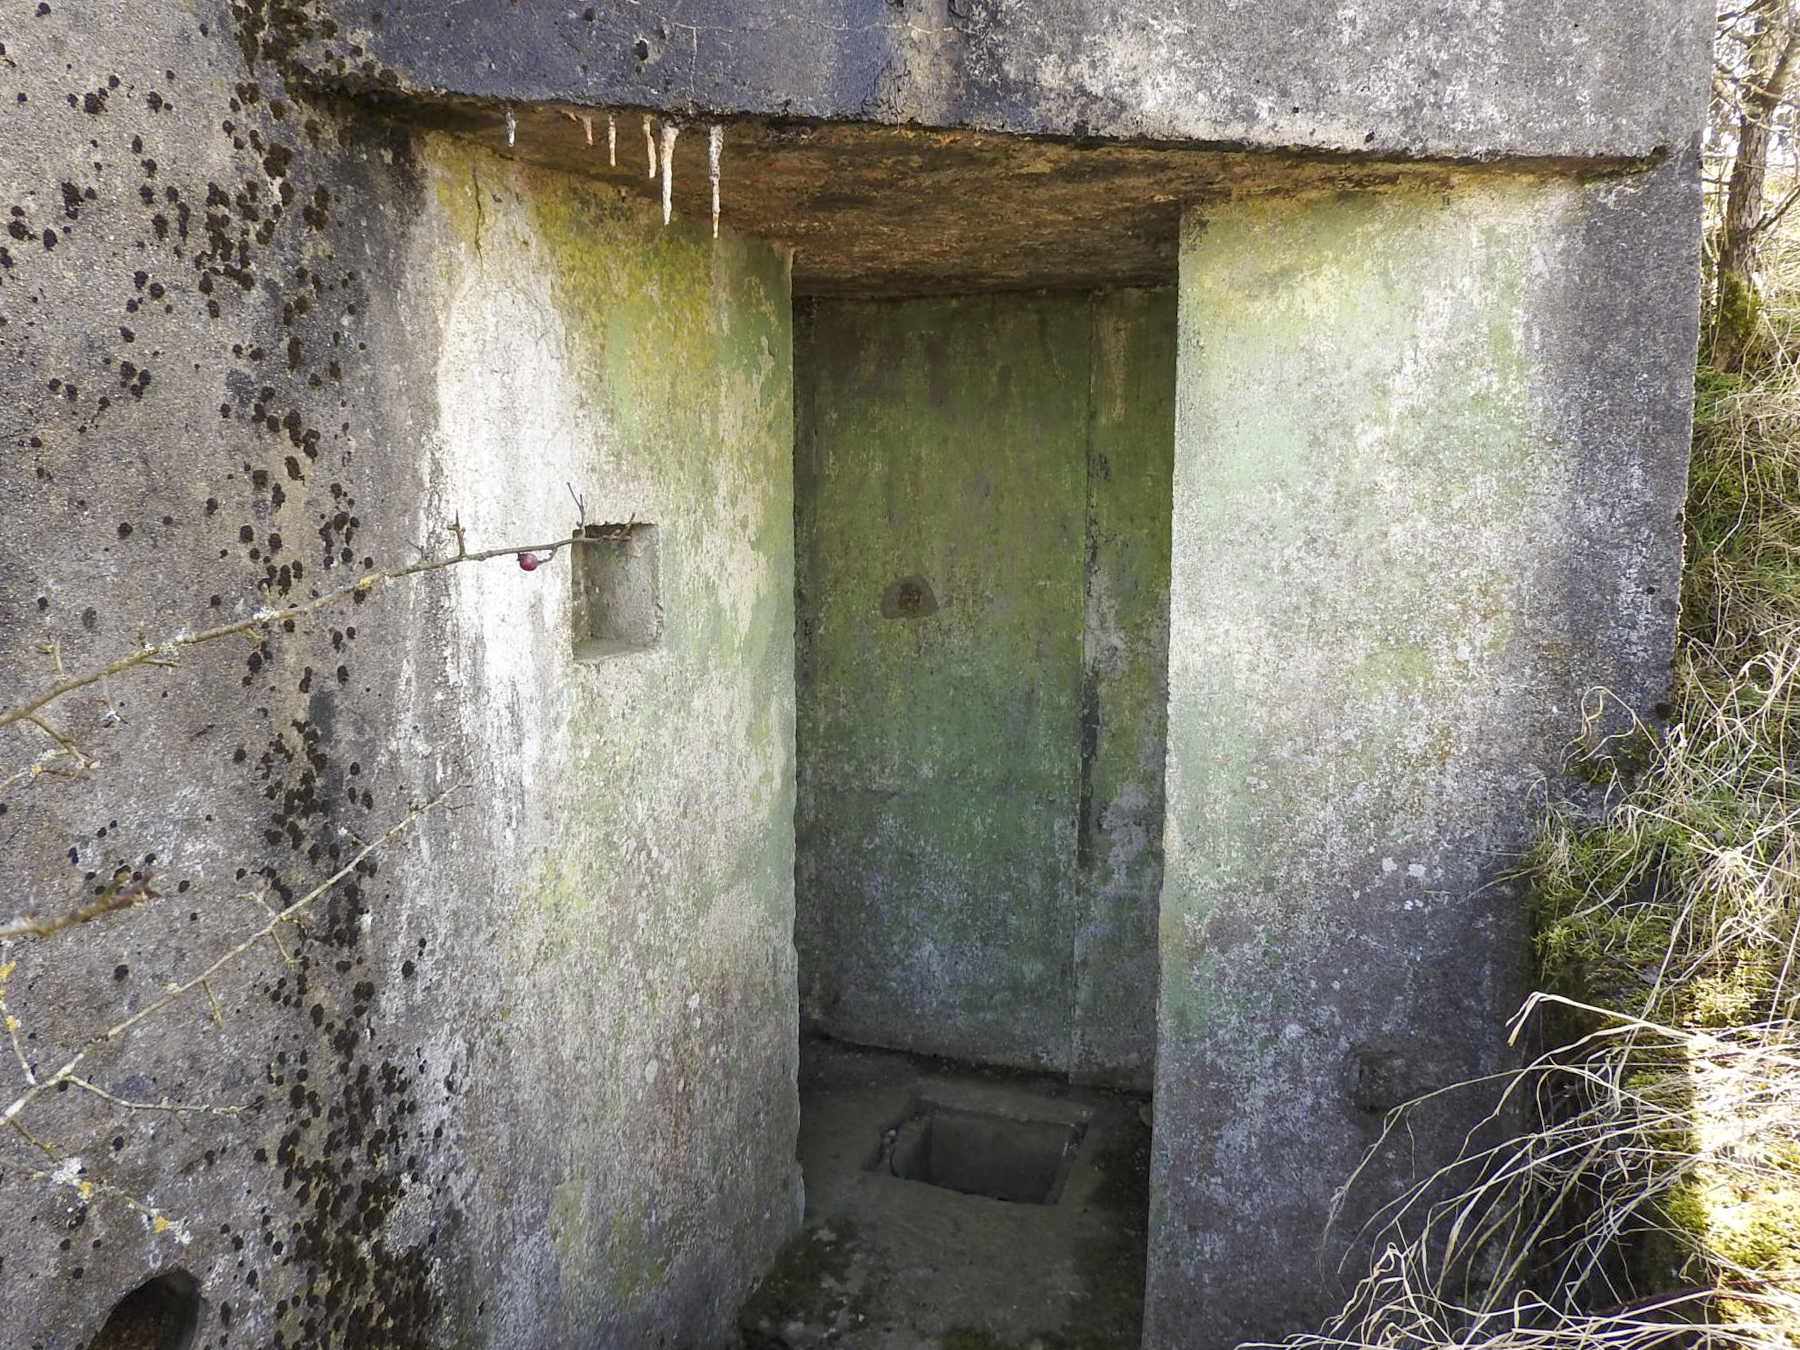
(885, 1263)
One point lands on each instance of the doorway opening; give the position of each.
(979, 825)
(982, 517)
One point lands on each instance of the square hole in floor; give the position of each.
(1003, 1158)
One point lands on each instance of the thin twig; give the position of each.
(174, 1108)
(122, 892)
(163, 651)
(179, 991)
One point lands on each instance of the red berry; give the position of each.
(528, 562)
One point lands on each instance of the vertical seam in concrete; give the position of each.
(1089, 747)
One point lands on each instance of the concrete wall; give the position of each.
(633, 1091)
(1464, 78)
(981, 773)
(1430, 451)
(527, 1078)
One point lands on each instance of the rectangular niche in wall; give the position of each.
(617, 605)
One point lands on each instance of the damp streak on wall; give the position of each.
(1125, 646)
(980, 811)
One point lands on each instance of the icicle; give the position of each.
(512, 127)
(650, 144)
(715, 141)
(669, 132)
(587, 125)
(612, 141)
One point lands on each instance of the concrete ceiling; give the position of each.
(883, 210)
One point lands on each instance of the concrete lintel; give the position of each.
(1400, 78)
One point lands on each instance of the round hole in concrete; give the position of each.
(162, 1313)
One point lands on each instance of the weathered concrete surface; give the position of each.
(635, 1098)
(529, 1078)
(979, 823)
(1457, 78)
(1430, 453)
(1125, 692)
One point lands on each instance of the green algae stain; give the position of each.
(570, 1220)
(1360, 413)
(1131, 447)
(942, 449)
(1358, 447)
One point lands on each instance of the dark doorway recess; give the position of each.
(982, 507)
(982, 528)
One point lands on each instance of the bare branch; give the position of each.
(122, 892)
(175, 1108)
(177, 992)
(69, 1173)
(163, 651)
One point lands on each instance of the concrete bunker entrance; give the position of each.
(983, 464)
(982, 512)
(983, 379)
